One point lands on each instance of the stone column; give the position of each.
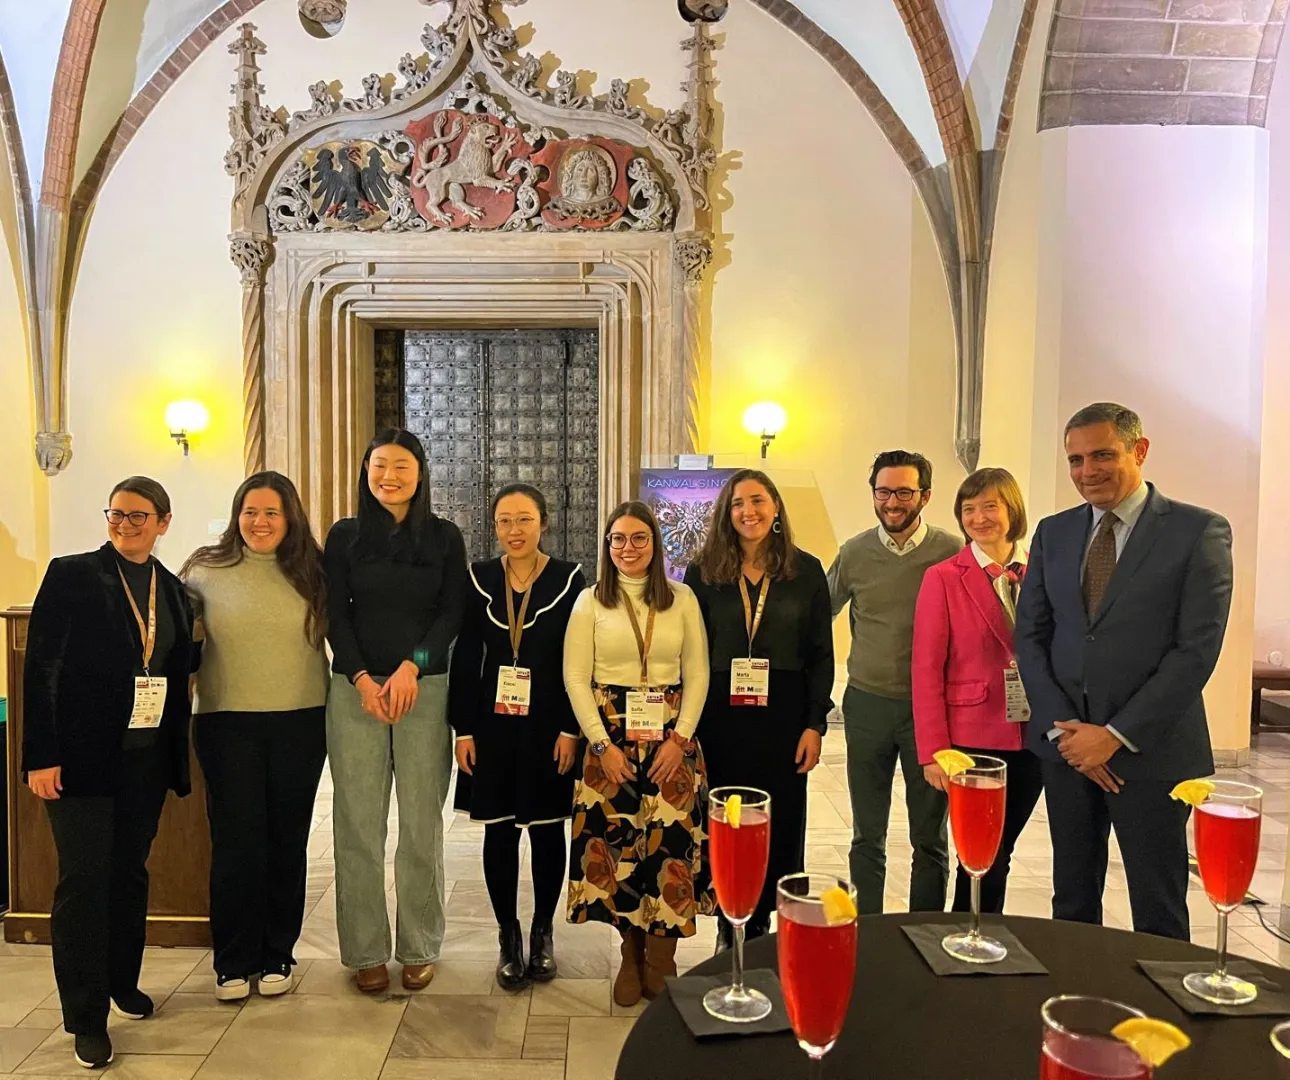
(693, 256)
(250, 254)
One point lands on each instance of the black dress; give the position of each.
(756, 746)
(515, 777)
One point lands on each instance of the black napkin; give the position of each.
(1169, 974)
(687, 995)
(927, 937)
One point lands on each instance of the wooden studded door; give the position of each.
(497, 406)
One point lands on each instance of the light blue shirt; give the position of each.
(1128, 511)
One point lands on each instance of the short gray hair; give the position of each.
(1128, 425)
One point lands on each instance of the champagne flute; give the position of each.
(978, 798)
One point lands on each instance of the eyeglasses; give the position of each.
(618, 541)
(525, 522)
(137, 518)
(902, 494)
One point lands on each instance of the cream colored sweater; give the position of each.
(255, 657)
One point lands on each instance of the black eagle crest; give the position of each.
(350, 192)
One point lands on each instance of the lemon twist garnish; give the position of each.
(1193, 792)
(1155, 1041)
(839, 908)
(734, 810)
(953, 761)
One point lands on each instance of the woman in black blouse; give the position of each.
(396, 590)
(516, 733)
(105, 735)
(764, 598)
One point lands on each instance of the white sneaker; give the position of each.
(228, 988)
(275, 982)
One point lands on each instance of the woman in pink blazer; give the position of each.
(966, 690)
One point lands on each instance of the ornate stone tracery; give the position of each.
(469, 141)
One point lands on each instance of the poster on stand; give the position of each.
(682, 500)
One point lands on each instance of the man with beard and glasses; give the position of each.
(878, 574)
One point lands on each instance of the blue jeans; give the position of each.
(366, 755)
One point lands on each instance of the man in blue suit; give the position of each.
(1119, 626)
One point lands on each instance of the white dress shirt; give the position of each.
(1003, 588)
(916, 538)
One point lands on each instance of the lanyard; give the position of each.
(642, 642)
(148, 631)
(753, 622)
(515, 625)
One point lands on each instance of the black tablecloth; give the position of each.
(907, 1024)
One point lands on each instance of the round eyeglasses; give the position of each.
(137, 518)
(639, 540)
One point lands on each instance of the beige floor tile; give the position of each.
(25, 982)
(571, 997)
(314, 1036)
(471, 1069)
(57, 1061)
(462, 1027)
(546, 1037)
(594, 1045)
(184, 1024)
(17, 1044)
(42, 1020)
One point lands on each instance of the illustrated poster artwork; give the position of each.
(683, 502)
(349, 184)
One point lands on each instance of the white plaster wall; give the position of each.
(30, 38)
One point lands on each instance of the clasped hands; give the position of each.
(1087, 748)
(391, 702)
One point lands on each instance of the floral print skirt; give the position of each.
(639, 852)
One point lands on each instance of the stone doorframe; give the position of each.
(313, 286)
(323, 302)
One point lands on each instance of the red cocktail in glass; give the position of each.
(977, 798)
(1228, 826)
(738, 858)
(1078, 1044)
(738, 850)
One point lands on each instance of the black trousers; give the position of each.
(1025, 784)
(1151, 829)
(550, 863)
(262, 772)
(100, 917)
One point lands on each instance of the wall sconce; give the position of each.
(185, 419)
(765, 419)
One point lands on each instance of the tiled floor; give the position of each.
(462, 1026)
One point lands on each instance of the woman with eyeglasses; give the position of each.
(516, 734)
(105, 736)
(260, 731)
(396, 594)
(636, 670)
(765, 605)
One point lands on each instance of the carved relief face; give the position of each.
(584, 180)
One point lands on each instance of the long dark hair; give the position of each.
(721, 559)
(299, 556)
(376, 525)
(658, 590)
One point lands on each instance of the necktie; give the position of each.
(1100, 565)
(1006, 581)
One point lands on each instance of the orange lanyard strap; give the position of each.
(148, 630)
(514, 624)
(643, 641)
(752, 622)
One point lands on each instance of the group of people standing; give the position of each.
(615, 705)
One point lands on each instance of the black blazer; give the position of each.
(1141, 662)
(78, 684)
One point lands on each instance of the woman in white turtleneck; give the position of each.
(636, 671)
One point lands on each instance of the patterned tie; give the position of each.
(1012, 576)
(1100, 565)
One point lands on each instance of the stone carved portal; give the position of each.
(468, 195)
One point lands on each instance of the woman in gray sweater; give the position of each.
(260, 726)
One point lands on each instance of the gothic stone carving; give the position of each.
(327, 12)
(349, 184)
(693, 254)
(53, 451)
(250, 254)
(456, 150)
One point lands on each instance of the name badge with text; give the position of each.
(646, 715)
(749, 682)
(514, 686)
(1015, 696)
(149, 703)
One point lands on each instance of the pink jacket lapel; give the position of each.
(977, 585)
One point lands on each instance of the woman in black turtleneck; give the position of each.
(105, 735)
(762, 596)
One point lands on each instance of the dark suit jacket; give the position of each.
(78, 684)
(1141, 662)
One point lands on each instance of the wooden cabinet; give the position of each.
(179, 899)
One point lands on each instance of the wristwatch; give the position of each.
(599, 748)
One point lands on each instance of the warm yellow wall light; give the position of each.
(765, 419)
(185, 419)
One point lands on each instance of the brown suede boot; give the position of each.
(660, 962)
(627, 987)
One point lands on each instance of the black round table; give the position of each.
(907, 1024)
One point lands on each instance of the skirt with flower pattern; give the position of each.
(639, 854)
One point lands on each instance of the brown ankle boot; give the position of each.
(627, 987)
(660, 962)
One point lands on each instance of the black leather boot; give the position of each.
(510, 964)
(541, 953)
(725, 935)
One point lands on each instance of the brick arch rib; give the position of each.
(65, 104)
